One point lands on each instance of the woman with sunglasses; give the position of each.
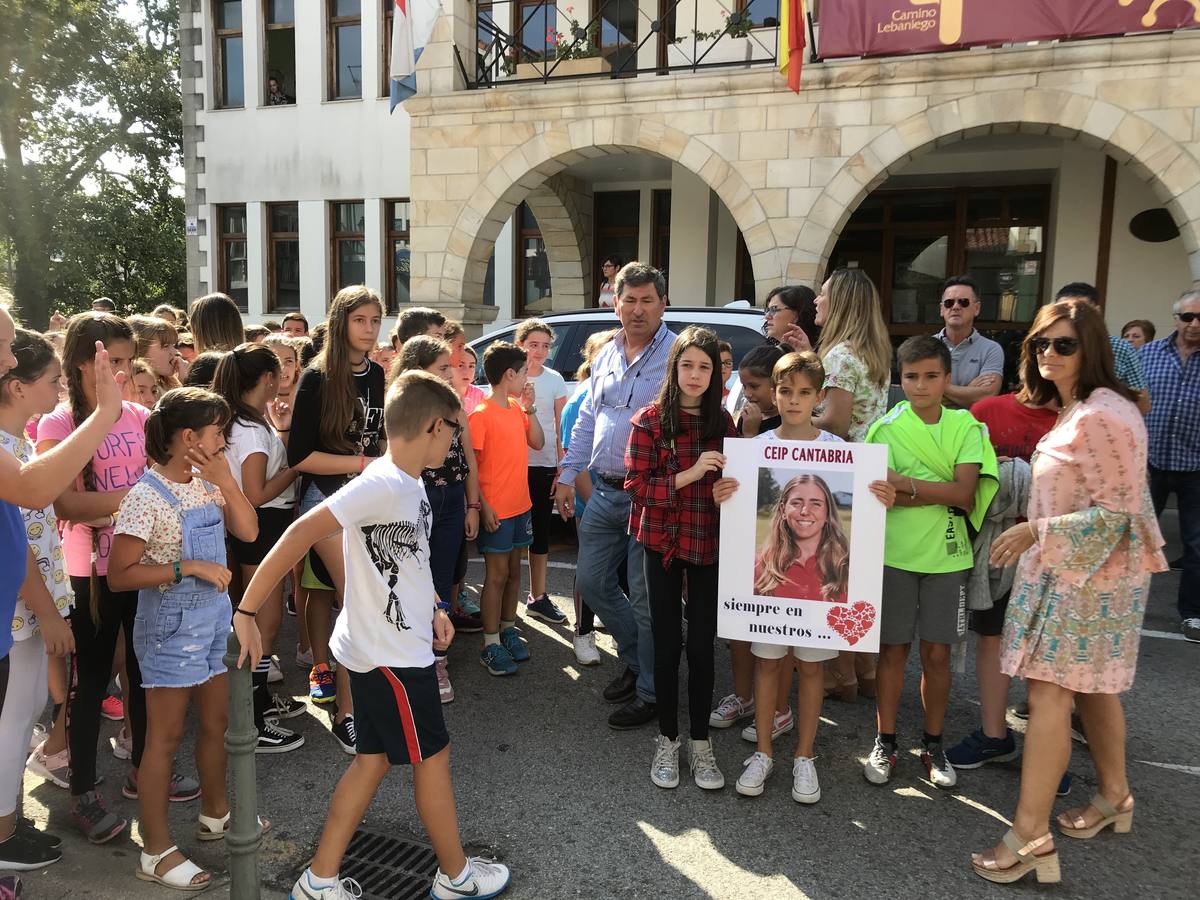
(1084, 560)
(608, 277)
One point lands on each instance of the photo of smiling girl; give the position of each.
(806, 555)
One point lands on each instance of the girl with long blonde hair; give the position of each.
(806, 523)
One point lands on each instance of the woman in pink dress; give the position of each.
(1086, 555)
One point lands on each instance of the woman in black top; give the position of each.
(337, 429)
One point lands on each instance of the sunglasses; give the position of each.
(449, 423)
(1187, 318)
(1063, 346)
(961, 302)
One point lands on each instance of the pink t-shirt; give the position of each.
(117, 464)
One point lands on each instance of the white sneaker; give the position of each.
(940, 772)
(805, 787)
(664, 768)
(342, 889)
(304, 659)
(274, 676)
(586, 653)
(1190, 628)
(704, 766)
(730, 711)
(758, 767)
(880, 764)
(782, 724)
(122, 744)
(484, 878)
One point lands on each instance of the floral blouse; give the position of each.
(846, 371)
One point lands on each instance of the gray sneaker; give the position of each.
(1191, 630)
(93, 818)
(704, 766)
(664, 769)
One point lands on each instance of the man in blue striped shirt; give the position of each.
(1172, 368)
(626, 376)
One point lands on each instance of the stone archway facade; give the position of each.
(790, 168)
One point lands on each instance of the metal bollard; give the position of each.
(241, 738)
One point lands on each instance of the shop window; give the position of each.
(908, 242)
(232, 277)
(399, 255)
(349, 249)
(279, 52)
(228, 62)
(283, 259)
(532, 266)
(344, 49)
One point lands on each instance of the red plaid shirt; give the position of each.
(680, 523)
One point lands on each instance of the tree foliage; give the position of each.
(90, 125)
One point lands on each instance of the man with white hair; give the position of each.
(1172, 368)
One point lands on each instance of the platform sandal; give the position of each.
(214, 828)
(1077, 827)
(178, 878)
(1044, 865)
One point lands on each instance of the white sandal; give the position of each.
(214, 828)
(179, 878)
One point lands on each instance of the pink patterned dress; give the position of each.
(1080, 592)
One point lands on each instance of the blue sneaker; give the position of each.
(322, 688)
(497, 660)
(1064, 786)
(467, 605)
(977, 749)
(543, 608)
(514, 644)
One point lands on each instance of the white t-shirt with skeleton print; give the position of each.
(387, 619)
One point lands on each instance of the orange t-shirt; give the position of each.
(502, 456)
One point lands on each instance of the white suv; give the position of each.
(740, 325)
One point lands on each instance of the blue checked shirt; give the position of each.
(1127, 364)
(1174, 419)
(616, 390)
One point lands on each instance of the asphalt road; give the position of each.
(544, 785)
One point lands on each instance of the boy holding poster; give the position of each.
(944, 471)
(807, 558)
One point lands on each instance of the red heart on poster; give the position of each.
(851, 622)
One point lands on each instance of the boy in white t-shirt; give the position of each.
(535, 337)
(385, 637)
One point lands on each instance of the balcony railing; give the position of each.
(688, 36)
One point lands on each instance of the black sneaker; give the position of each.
(465, 624)
(345, 733)
(621, 688)
(283, 707)
(53, 841)
(93, 818)
(273, 739)
(543, 608)
(634, 714)
(22, 852)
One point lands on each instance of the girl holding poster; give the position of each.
(671, 463)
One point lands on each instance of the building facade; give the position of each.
(544, 138)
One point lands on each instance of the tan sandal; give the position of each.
(840, 685)
(214, 828)
(1043, 865)
(1121, 820)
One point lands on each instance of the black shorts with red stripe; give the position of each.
(398, 712)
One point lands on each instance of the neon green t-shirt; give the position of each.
(928, 539)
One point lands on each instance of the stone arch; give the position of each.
(528, 166)
(1155, 157)
(563, 209)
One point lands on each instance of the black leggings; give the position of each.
(665, 588)
(95, 645)
(541, 482)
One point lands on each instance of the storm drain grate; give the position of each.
(388, 867)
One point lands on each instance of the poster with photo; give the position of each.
(802, 544)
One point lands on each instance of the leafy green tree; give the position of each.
(86, 89)
(768, 490)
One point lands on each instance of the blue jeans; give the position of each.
(1186, 488)
(446, 534)
(603, 542)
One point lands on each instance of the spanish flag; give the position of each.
(791, 41)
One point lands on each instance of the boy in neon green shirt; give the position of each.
(944, 471)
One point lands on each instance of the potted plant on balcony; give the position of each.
(577, 52)
(728, 44)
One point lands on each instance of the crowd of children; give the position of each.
(249, 471)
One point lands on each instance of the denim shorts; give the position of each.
(514, 533)
(312, 498)
(180, 638)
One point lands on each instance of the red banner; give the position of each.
(891, 27)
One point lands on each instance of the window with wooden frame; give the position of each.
(616, 217)
(283, 257)
(660, 246)
(398, 254)
(389, 18)
(228, 60)
(349, 250)
(279, 52)
(910, 241)
(537, 22)
(760, 12)
(344, 49)
(532, 266)
(232, 274)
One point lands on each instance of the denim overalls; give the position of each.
(179, 634)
